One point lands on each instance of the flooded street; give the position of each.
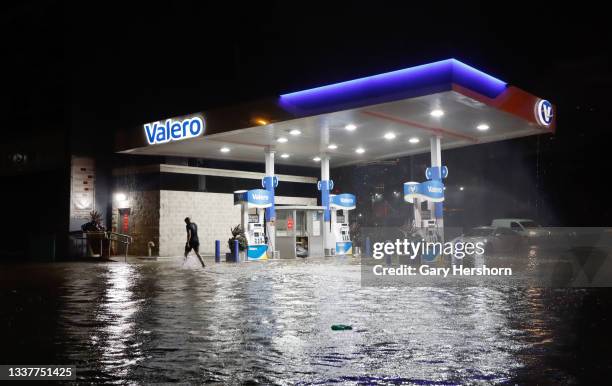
(270, 323)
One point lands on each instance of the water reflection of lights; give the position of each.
(274, 319)
(116, 315)
(292, 304)
(537, 328)
(532, 261)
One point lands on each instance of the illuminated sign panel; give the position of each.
(255, 198)
(343, 201)
(173, 130)
(544, 112)
(432, 190)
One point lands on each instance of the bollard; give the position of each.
(217, 251)
(368, 251)
(388, 259)
(236, 252)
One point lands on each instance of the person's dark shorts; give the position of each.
(195, 245)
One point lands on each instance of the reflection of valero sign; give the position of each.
(173, 130)
(432, 190)
(343, 201)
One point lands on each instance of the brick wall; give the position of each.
(215, 214)
(144, 221)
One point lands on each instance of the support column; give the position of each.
(436, 208)
(329, 246)
(269, 184)
(416, 210)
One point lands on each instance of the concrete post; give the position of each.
(416, 210)
(436, 208)
(269, 184)
(329, 246)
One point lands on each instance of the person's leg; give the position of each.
(196, 249)
(187, 249)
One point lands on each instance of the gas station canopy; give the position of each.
(373, 118)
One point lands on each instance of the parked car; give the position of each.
(522, 226)
(495, 239)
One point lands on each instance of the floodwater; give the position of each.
(270, 323)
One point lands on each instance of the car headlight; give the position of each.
(532, 233)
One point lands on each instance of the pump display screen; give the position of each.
(253, 218)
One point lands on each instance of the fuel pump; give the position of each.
(417, 193)
(425, 225)
(431, 191)
(340, 205)
(252, 209)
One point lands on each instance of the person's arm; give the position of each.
(188, 235)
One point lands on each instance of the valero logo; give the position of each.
(544, 112)
(343, 201)
(172, 130)
(432, 190)
(259, 198)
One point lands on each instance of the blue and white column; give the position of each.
(269, 183)
(436, 208)
(325, 185)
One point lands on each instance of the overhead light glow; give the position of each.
(461, 188)
(120, 197)
(436, 76)
(360, 150)
(224, 150)
(483, 127)
(282, 140)
(295, 132)
(350, 127)
(332, 146)
(414, 140)
(261, 121)
(284, 155)
(316, 159)
(389, 136)
(437, 113)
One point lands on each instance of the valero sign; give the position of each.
(259, 198)
(343, 201)
(174, 130)
(544, 112)
(432, 190)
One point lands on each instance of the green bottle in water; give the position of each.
(341, 327)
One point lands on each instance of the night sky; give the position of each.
(73, 70)
(128, 64)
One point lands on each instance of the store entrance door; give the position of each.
(299, 231)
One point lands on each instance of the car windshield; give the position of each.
(529, 224)
(475, 232)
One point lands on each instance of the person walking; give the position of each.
(192, 240)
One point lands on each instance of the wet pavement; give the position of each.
(270, 323)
